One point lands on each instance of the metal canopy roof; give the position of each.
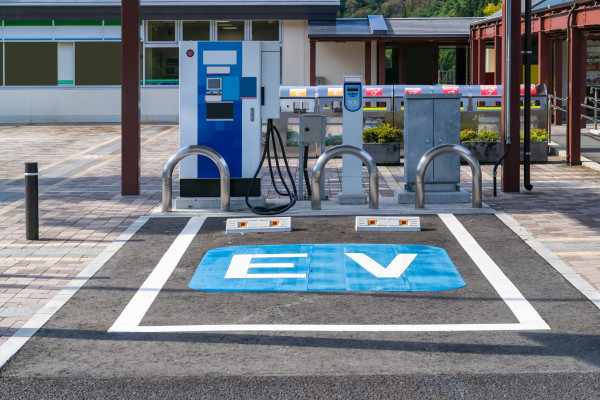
(396, 27)
(536, 5)
(169, 9)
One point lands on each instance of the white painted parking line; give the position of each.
(569, 274)
(513, 298)
(529, 319)
(16, 341)
(145, 296)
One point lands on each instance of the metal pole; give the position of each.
(32, 224)
(336, 151)
(595, 108)
(167, 176)
(549, 116)
(527, 100)
(465, 154)
(130, 97)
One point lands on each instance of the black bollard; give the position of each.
(32, 223)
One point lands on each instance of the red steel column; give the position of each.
(368, 62)
(381, 62)
(544, 60)
(511, 164)
(576, 75)
(481, 62)
(130, 97)
(558, 73)
(498, 61)
(312, 61)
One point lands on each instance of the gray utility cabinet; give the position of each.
(429, 121)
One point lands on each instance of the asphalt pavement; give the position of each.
(74, 356)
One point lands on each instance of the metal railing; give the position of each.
(595, 100)
(336, 151)
(446, 77)
(447, 149)
(167, 177)
(552, 106)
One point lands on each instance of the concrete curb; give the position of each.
(557, 150)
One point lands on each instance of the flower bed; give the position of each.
(487, 148)
(383, 143)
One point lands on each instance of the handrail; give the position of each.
(167, 177)
(438, 151)
(551, 106)
(336, 151)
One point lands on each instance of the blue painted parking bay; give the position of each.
(465, 304)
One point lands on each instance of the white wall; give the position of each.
(56, 105)
(490, 60)
(295, 53)
(374, 58)
(335, 60)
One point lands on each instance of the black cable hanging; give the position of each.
(293, 195)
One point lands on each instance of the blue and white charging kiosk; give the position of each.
(352, 125)
(226, 89)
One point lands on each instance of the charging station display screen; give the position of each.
(219, 111)
(213, 84)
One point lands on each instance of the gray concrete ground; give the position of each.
(590, 143)
(82, 212)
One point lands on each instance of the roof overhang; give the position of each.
(170, 10)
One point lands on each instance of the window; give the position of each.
(230, 30)
(162, 66)
(97, 63)
(161, 31)
(265, 30)
(196, 30)
(31, 64)
(1, 64)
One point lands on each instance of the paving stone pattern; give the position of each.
(82, 211)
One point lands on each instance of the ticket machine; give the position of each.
(226, 90)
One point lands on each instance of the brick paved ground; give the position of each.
(82, 211)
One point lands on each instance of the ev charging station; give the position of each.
(226, 90)
(352, 127)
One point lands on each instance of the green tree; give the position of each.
(492, 8)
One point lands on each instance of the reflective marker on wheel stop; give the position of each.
(385, 223)
(255, 225)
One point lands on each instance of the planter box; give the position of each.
(490, 152)
(384, 153)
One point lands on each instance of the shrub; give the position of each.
(383, 133)
(536, 135)
(471, 135)
(468, 135)
(488, 136)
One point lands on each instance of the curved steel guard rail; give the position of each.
(167, 189)
(438, 151)
(336, 151)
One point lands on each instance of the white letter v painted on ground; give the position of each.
(394, 270)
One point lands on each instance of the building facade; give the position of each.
(61, 61)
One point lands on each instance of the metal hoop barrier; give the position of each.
(167, 177)
(447, 149)
(336, 151)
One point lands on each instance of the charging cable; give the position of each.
(293, 195)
